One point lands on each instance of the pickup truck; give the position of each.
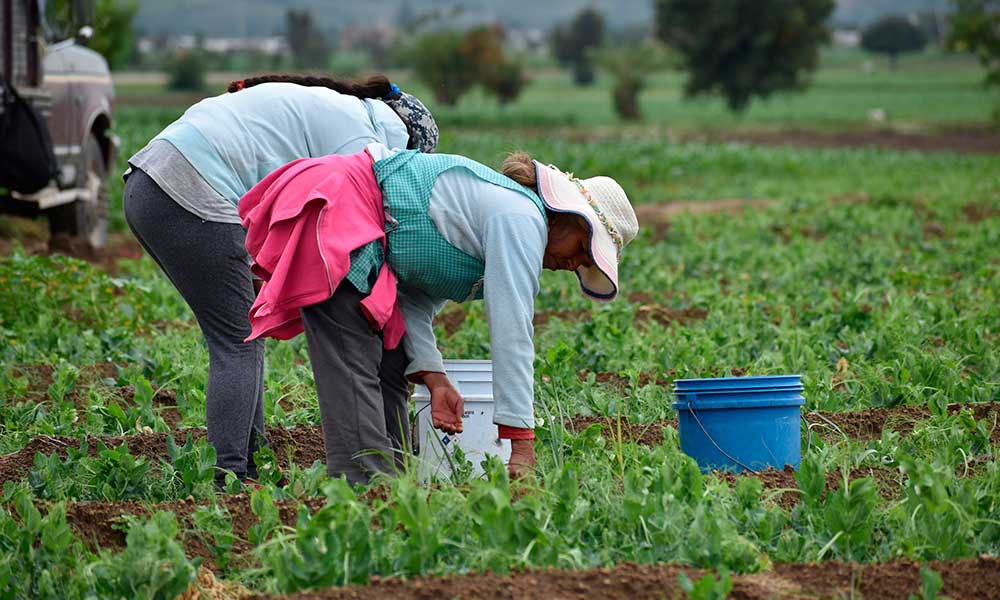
(70, 86)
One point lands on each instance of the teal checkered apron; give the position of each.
(417, 252)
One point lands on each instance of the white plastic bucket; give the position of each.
(434, 448)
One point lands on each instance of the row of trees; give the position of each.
(739, 49)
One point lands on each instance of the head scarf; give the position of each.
(418, 119)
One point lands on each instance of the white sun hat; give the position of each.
(605, 207)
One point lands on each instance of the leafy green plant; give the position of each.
(268, 472)
(419, 549)
(849, 515)
(153, 564)
(930, 585)
(707, 587)
(268, 520)
(41, 556)
(334, 546)
(191, 468)
(115, 474)
(63, 380)
(214, 524)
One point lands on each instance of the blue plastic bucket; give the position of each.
(740, 423)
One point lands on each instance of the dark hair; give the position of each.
(376, 86)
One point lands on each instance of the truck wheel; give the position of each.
(86, 220)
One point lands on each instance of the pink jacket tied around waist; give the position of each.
(302, 221)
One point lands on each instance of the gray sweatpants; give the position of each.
(207, 262)
(361, 387)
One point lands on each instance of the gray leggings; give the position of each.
(207, 263)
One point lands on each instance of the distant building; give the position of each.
(849, 38)
(268, 46)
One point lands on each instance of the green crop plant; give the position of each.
(152, 565)
(411, 510)
(334, 546)
(930, 585)
(116, 474)
(707, 587)
(191, 470)
(849, 517)
(214, 525)
(941, 511)
(41, 558)
(268, 520)
(268, 472)
(63, 379)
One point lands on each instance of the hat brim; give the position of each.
(560, 194)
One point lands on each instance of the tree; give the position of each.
(744, 48)
(451, 63)
(110, 19)
(186, 70)
(975, 28)
(308, 44)
(440, 63)
(572, 43)
(483, 50)
(893, 35)
(630, 66)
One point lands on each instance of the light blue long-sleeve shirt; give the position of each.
(507, 232)
(234, 140)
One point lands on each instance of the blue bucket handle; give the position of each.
(711, 439)
(738, 462)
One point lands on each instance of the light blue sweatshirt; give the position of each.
(507, 232)
(235, 140)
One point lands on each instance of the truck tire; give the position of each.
(86, 220)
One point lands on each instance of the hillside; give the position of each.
(266, 17)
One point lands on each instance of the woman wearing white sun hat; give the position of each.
(423, 229)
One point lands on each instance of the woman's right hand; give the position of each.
(447, 406)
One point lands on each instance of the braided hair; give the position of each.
(376, 86)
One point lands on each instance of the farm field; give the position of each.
(872, 271)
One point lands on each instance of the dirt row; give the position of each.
(98, 524)
(650, 309)
(971, 140)
(977, 578)
(862, 425)
(302, 444)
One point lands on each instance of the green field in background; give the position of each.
(926, 91)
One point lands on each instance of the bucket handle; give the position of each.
(711, 439)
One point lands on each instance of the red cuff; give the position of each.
(515, 433)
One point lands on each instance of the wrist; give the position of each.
(434, 380)
(506, 432)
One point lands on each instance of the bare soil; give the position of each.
(302, 445)
(621, 382)
(963, 579)
(40, 377)
(868, 424)
(889, 482)
(979, 212)
(647, 434)
(101, 524)
(966, 140)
